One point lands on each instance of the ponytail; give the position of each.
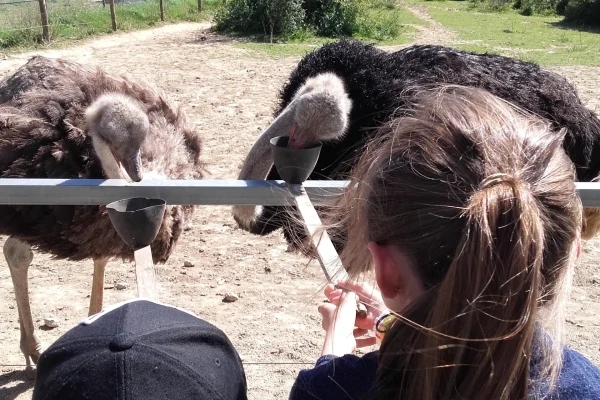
(473, 346)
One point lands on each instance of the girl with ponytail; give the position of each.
(468, 214)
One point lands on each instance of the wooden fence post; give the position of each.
(162, 10)
(113, 17)
(44, 14)
(199, 6)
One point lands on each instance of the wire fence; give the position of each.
(40, 21)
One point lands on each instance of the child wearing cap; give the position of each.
(141, 350)
(468, 213)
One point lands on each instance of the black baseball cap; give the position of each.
(141, 350)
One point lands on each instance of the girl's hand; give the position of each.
(367, 294)
(338, 322)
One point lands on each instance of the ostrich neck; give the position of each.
(107, 160)
(259, 161)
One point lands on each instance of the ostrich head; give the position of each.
(318, 112)
(118, 127)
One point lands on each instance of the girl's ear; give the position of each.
(395, 275)
(386, 271)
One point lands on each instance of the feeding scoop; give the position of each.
(294, 165)
(137, 220)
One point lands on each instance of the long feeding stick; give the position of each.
(144, 274)
(330, 261)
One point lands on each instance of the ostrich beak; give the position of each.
(130, 166)
(293, 141)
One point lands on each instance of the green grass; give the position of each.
(388, 26)
(540, 39)
(77, 19)
(279, 50)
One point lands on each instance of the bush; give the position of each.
(529, 7)
(380, 24)
(491, 5)
(272, 17)
(332, 18)
(375, 19)
(561, 6)
(583, 12)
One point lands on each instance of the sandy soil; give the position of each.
(229, 94)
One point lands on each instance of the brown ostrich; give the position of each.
(61, 120)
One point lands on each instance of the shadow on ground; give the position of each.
(572, 27)
(14, 383)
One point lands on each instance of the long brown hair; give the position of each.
(482, 197)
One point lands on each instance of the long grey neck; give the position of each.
(107, 160)
(259, 161)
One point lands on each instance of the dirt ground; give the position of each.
(229, 94)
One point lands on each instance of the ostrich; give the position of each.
(61, 120)
(379, 85)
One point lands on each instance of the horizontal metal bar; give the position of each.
(198, 192)
(589, 193)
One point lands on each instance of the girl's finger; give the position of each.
(328, 288)
(326, 309)
(335, 299)
(365, 342)
(334, 294)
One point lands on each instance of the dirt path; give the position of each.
(229, 95)
(434, 32)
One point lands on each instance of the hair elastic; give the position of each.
(382, 325)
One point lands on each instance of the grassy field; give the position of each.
(78, 19)
(542, 39)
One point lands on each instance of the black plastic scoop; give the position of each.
(294, 165)
(137, 221)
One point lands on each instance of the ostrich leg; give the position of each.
(18, 256)
(97, 296)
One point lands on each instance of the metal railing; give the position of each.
(194, 192)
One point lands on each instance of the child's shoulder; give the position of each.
(336, 378)
(579, 378)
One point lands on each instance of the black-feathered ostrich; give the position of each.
(314, 107)
(61, 120)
